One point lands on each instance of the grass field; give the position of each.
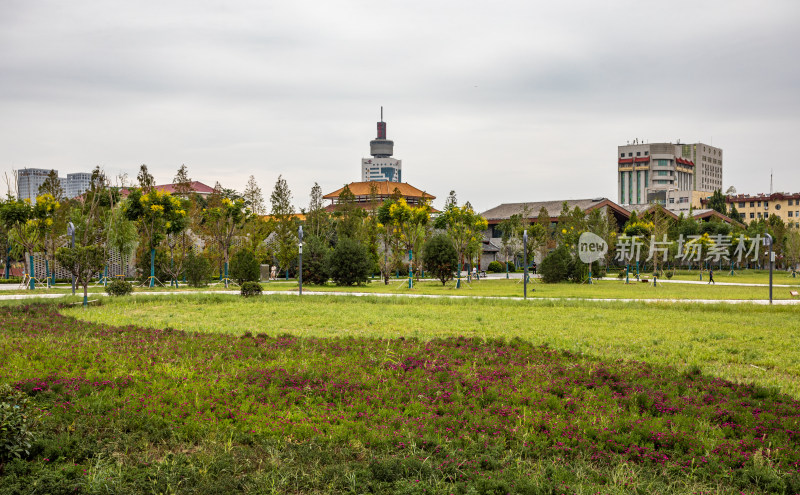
(537, 397)
(605, 289)
(739, 343)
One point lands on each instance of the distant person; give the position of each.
(273, 272)
(474, 271)
(711, 276)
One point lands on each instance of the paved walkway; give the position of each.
(533, 297)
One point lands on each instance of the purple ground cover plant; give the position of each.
(458, 412)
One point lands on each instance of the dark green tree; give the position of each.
(349, 263)
(440, 257)
(557, 266)
(315, 258)
(245, 267)
(717, 202)
(52, 186)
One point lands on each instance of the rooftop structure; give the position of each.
(375, 193)
(381, 167)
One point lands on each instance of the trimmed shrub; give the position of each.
(197, 269)
(557, 266)
(511, 267)
(119, 287)
(244, 267)
(250, 289)
(16, 424)
(495, 267)
(440, 257)
(315, 254)
(349, 263)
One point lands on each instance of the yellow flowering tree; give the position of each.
(19, 219)
(222, 221)
(406, 224)
(156, 213)
(462, 225)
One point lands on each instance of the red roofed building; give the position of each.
(195, 187)
(363, 192)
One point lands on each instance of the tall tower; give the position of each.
(381, 167)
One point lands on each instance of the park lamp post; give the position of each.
(300, 264)
(525, 264)
(71, 233)
(768, 242)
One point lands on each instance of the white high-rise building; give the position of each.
(667, 173)
(29, 180)
(381, 167)
(76, 184)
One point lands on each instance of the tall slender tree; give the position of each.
(182, 182)
(462, 224)
(253, 197)
(282, 213)
(52, 186)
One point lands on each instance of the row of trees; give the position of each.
(656, 231)
(165, 231)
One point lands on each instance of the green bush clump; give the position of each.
(315, 256)
(349, 263)
(495, 267)
(557, 266)
(16, 424)
(440, 257)
(250, 289)
(119, 287)
(245, 267)
(197, 270)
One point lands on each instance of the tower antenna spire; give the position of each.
(381, 113)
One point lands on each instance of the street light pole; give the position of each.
(300, 268)
(525, 264)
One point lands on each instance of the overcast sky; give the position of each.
(499, 101)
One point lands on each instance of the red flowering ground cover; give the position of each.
(128, 409)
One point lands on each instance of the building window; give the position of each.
(759, 204)
(759, 214)
(766, 204)
(790, 202)
(672, 201)
(752, 204)
(741, 204)
(753, 215)
(790, 214)
(630, 154)
(778, 206)
(622, 155)
(638, 153)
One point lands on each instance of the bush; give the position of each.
(250, 289)
(557, 266)
(349, 263)
(495, 267)
(16, 424)
(315, 254)
(119, 287)
(511, 267)
(197, 269)
(244, 267)
(440, 257)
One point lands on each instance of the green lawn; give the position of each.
(737, 342)
(540, 397)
